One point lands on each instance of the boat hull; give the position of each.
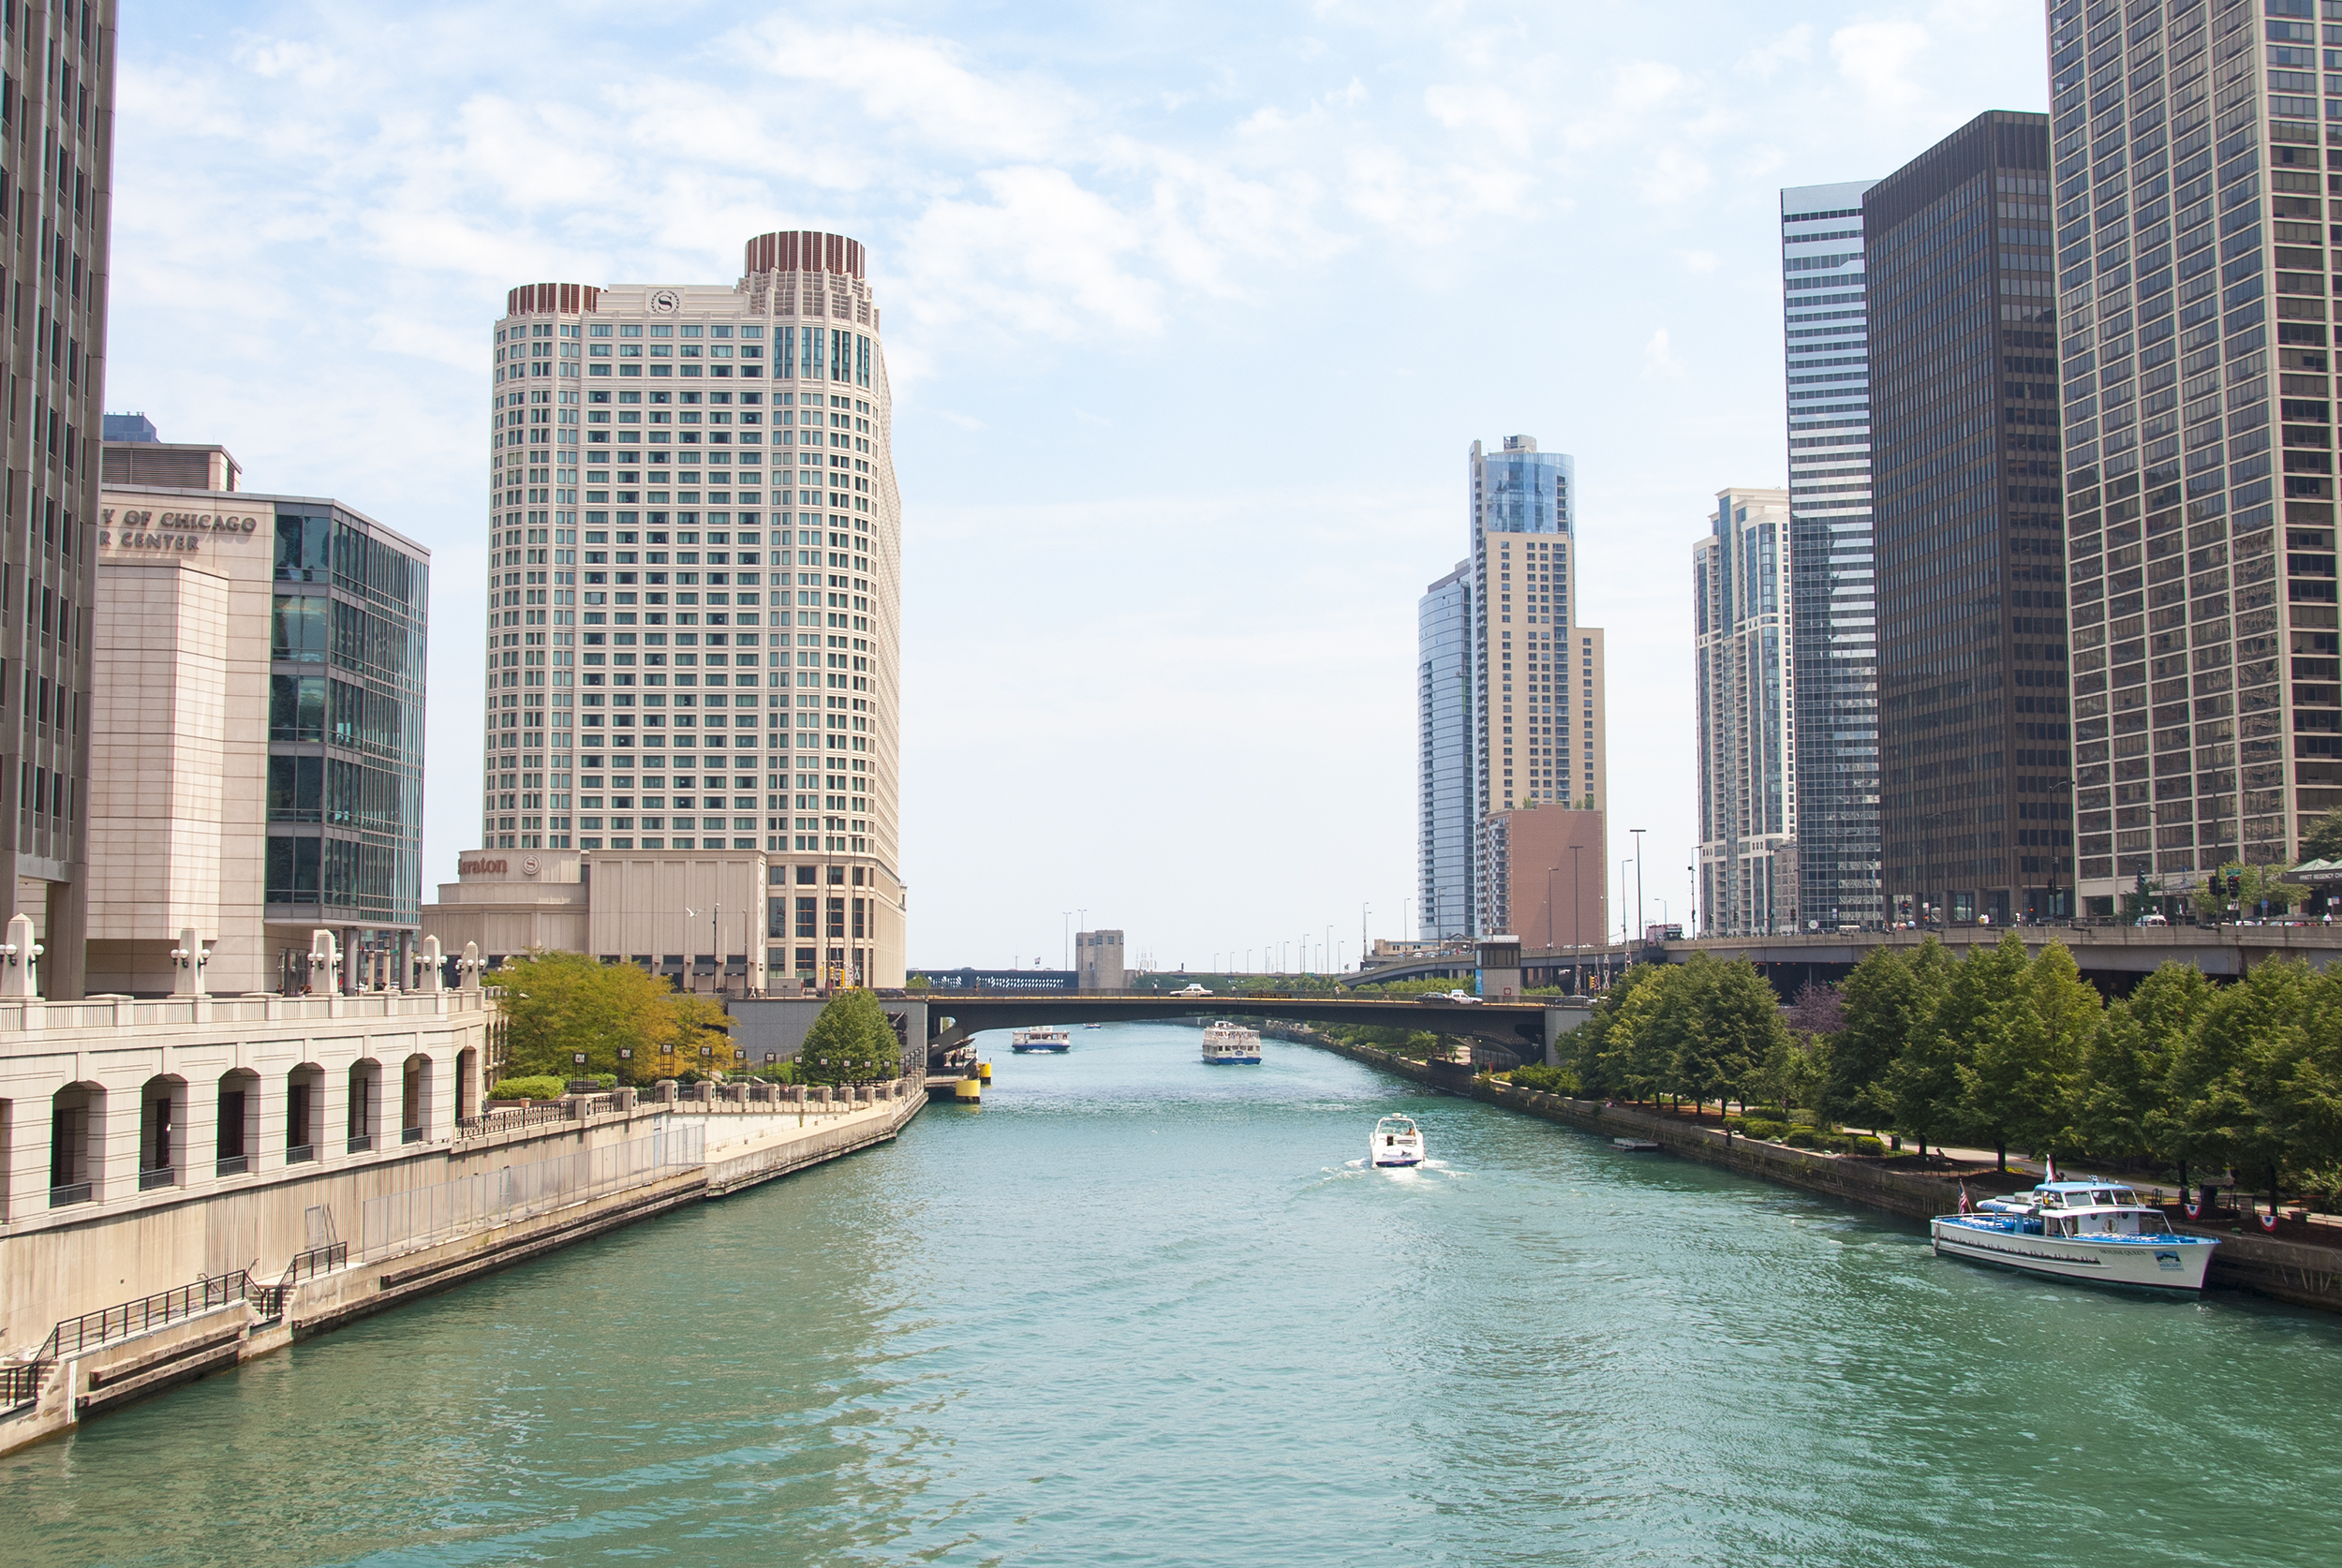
(1041, 1050)
(1253, 1061)
(2175, 1263)
(1395, 1163)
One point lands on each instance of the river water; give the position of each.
(1140, 1311)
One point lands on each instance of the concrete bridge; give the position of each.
(1524, 1028)
(2112, 957)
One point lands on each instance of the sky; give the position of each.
(1192, 316)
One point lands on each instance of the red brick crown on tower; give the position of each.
(782, 251)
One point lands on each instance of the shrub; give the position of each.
(1548, 1080)
(1800, 1138)
(1736, 1124)
(1860, 1144)
(1766, 1131)
(547, 1087)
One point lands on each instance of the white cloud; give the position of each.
(1658, 357)
(1794, 47)
(1874, 56)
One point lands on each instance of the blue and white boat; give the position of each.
(2088, 1229)
(1227, 1045)
(1052, 1041)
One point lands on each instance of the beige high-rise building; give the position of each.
(693, 648)
(1537, 673)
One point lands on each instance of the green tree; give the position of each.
(2026, 1037)
(2123, 1107)
(2246, 1086)
(851, 1043)
(557, 1004)
(1921, 1089)
(1597, 1048)
(1990, 1029)
(1723, 1023)
(1887, 997)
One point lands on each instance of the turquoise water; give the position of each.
(1139, 1310)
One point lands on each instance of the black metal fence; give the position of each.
(20, 1383)
(75, 1335)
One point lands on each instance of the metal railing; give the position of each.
(361, 1143)
(301, 1154)
(233, 1164)
(71, 1193)
(20, 1383)
(410, 1135)
(73, 1336)
(425, 1216)
(270, 1299)
(162, 1176)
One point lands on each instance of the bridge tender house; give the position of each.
(180, 531)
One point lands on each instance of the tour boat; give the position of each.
(1052, 1041)
(2090, 1229)
(1227, 1045)
(1397, 1141)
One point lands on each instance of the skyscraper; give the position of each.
(1537, 709)
(61, 66)
(1749, 821)
(1975, 754)
(2193, 279)
(1447, 789)
(1832, 583)
(701, 693)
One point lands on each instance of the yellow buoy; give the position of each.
(983, 1070)
(968, 1092)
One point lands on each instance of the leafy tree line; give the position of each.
(556, 1005)
(2008, 1051)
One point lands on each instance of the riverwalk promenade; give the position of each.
(2305, 1273)
(503, 1188)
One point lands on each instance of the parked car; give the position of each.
(1192, 989)
(2152, 919)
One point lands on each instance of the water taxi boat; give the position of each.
(1048, 1040)
(2088, 1229)
(1227, 1045)
(1397, 1141)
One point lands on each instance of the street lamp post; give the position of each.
(2057, 857)
(1577, 926)
(1637, 833)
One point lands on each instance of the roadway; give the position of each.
(1524, 1026)
(2111, 957)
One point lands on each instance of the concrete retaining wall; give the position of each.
(755, 1148)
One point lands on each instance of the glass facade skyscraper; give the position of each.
(1446, 788)
(1975, 749)
(2192, 264)
(1749, 819)
(348, 629)
(1833, 581)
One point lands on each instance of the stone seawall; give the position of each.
(754, 1148)
(2290, 1271)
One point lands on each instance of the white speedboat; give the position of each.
(1227, 1045)
(2090, 1229)
(1054, 1042)
(1397, 1141)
